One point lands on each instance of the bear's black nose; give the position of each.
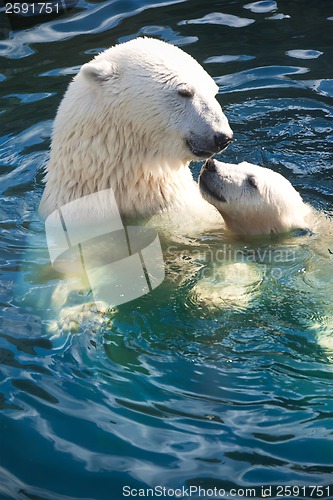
(221, 141)
(210, 165)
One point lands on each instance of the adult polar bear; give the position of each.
(132, 120)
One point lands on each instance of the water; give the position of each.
(173, 392)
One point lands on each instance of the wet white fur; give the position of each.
(122, 124)
(270, 205)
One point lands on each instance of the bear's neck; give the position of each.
(152, 187)
(140, 189)
(146, 176)
(271, 222)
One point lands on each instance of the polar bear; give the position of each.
(131, 120)
(256, 201)
(253, 199)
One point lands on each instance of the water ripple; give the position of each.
(220, 18)
(261, 7)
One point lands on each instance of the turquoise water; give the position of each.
(175, 391)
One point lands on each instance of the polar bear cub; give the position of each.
(252, 199)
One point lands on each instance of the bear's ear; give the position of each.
(98, 72)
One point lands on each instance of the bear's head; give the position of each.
(131, 120)
(252, 199)
(158, 97)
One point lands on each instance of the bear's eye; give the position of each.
(185, 92)
(251, 180)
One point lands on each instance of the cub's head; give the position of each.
(252, 199)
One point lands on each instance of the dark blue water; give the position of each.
(171, 392)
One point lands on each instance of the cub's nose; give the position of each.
(210, 165)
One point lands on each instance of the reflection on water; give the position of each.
(173, 391)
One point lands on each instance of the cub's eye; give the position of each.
(251, 180)
(185, 92)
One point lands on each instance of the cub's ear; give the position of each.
(98, 72)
